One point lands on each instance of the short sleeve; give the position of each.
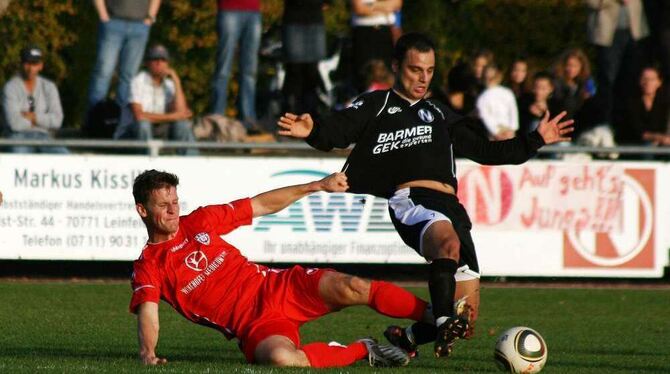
(135, 96)
(145, 283)
(223, 218)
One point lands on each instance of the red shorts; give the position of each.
(287, 299)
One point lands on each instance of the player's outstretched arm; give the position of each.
(147, 333)
(296, 126)
(273, 201)
(553, 130)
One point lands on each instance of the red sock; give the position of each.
(322, 355)
(393, 301)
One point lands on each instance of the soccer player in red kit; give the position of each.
(187, 264)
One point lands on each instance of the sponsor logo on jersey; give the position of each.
(405, 138)
(202, 238)
(179, 246)
(196, 261)
(209, 270)
(426, 116)
(357, 104)
(394, 110)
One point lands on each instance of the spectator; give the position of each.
(481, 59)
(573, 85)
(157, 104)
(122, 36)
(31, 104)
(371, 23)
(616, 27)
(645, 120)
(533, 105)
(379, 77)
(238, 24)
(497, 106)
(658, 12)
(396, 29)
(304, 42)
(462, 89)
(517, 78)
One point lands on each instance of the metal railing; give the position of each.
(154, 147)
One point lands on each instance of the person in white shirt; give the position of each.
(497, 106)
(157, 105)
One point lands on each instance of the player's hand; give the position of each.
(152, 360)
(336, 182)
(553, 130)
(296, 126)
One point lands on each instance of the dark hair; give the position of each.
(412, 40)
(653, 67)
(544, 75)
(151, 180)
(579, 54)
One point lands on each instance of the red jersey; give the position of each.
(203, 277)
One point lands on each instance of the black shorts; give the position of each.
(414, 209)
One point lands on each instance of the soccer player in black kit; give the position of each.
(404, 152)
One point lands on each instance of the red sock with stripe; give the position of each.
(322, 355)
(393, 301)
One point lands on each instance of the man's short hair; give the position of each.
(544, 75)
(151, 180)
(412, 40)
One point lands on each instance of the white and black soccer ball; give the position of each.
(521, 350)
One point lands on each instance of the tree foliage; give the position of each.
(67, 30)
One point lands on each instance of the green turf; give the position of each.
(70, 327)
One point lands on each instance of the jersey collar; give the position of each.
(410, 102)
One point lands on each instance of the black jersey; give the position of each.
(398, 142)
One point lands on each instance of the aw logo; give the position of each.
(630, 248)
(487, 194)
(324, 212)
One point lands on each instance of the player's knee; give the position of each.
(450, 247)
(353, 290)
(359, 287)
(283, 357)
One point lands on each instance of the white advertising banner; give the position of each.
(538, 219)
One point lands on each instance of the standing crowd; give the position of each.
(624, 102)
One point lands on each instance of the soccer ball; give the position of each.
(521, 350)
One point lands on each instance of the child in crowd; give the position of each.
(497, 106)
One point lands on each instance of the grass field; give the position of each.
(85, 327)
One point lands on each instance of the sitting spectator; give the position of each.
(31, 104)
(517, 78)
(379, 77)
(574, 84)
(533, 105)
(646, 116)
(157, 104)
(497, 106)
